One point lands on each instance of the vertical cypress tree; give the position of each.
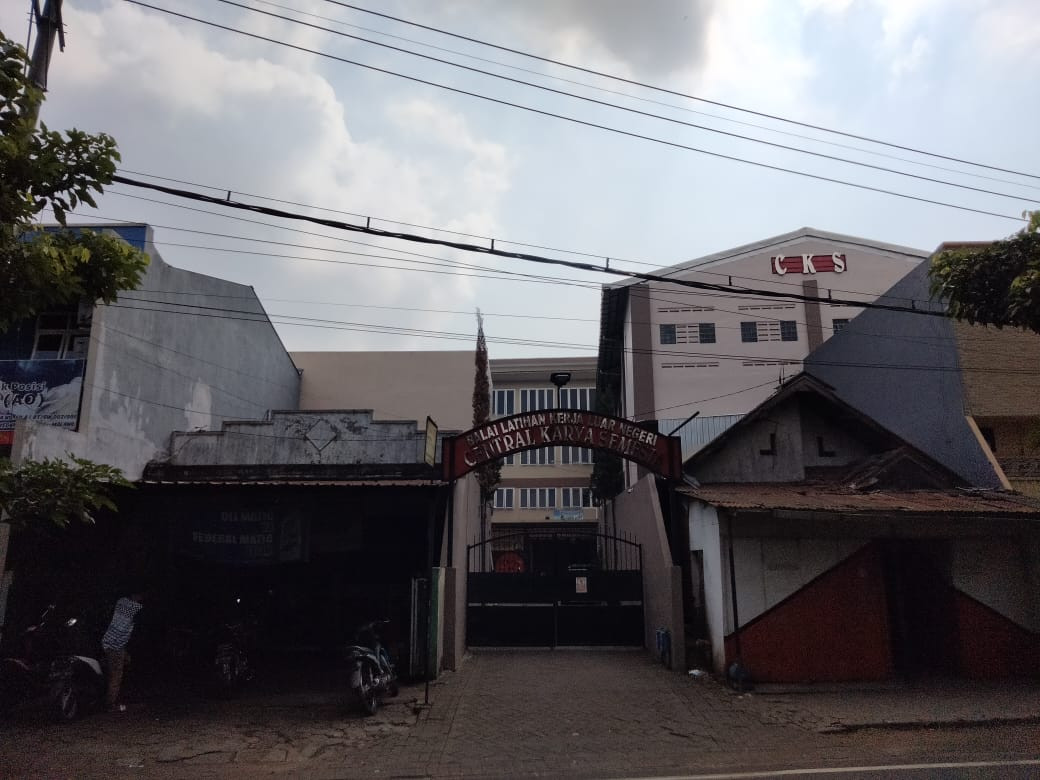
(490, 474)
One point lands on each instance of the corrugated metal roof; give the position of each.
(835, 498)
(700, 431)
(302, 482)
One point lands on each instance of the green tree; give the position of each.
(490, 474)
(43, 169)
(993, 284)
(53, 492)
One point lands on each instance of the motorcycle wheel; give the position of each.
(65, 706)
(392, 689)
(366, 692)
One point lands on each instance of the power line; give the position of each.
(582, 122)
(581, 266)
(675, 93)
(641, 99)
(629, 109)
(692, 268)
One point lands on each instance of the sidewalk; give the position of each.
(949, 702)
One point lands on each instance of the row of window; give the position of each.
(534, 399)
(546, 456)
(542, 498)
(760, 330)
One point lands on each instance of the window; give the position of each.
(574, 497)
(504, 498)
(749, 331)
(690, 333)
(502, 403)
(839, 324)
(578, 398)
(543, 456)
(788, 330)
(537, 498)
(59, 338)
(536, 400)
(575, 455)
(769, 330)
(509, 460)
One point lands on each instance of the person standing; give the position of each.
(114, 644)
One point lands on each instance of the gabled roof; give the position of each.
(913, 256)
(834, 407)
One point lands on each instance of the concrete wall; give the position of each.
(464, 524)
(394, 385)
(706, 537)
(730, 376)
(153, 368)
(332, 437)
(638, 512)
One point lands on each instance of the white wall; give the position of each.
(706, 536)
(1000, 573)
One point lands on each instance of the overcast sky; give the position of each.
(955, 77)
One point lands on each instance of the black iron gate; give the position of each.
(550, 588)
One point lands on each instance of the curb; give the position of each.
(917, 725)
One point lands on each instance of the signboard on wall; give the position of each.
(45, 391)
(240, 536)
(808, 264)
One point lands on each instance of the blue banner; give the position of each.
(45, 391)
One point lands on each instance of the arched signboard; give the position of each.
(563, 427)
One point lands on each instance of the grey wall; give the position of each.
(287, 438)
(153, 368)
(638, 512)
(903, 370)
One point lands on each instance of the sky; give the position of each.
(214, 108)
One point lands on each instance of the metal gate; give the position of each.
(551, 588)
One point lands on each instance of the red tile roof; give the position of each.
(836, 498)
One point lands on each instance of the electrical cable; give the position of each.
(629, 109)
(663, 90)
(423, 227)
(582, 122)
(581, 266)
(630, 96)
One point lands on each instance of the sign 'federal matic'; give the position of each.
(568, 428)
(808, 264)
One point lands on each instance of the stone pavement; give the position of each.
(504, 714)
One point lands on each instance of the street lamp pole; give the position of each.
(560, 378)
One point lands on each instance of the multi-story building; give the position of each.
(668, 351)
(547, 488)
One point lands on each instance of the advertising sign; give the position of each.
(808, 264)
(45, 391)
(243, 537)
(507, 435)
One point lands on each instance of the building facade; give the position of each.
(668, 351)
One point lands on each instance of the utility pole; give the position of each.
(48, 25)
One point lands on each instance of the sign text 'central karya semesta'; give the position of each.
(563, 427)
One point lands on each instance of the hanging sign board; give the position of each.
(530, 430)
(430, 452)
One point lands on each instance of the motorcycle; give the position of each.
(56, 662)
(372, 672)
(231, 667)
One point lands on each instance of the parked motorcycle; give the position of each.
(231, 668)
(372, 672)
(56, 662)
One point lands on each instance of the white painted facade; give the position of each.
(716, 370)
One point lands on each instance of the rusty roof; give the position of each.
(811, 497)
